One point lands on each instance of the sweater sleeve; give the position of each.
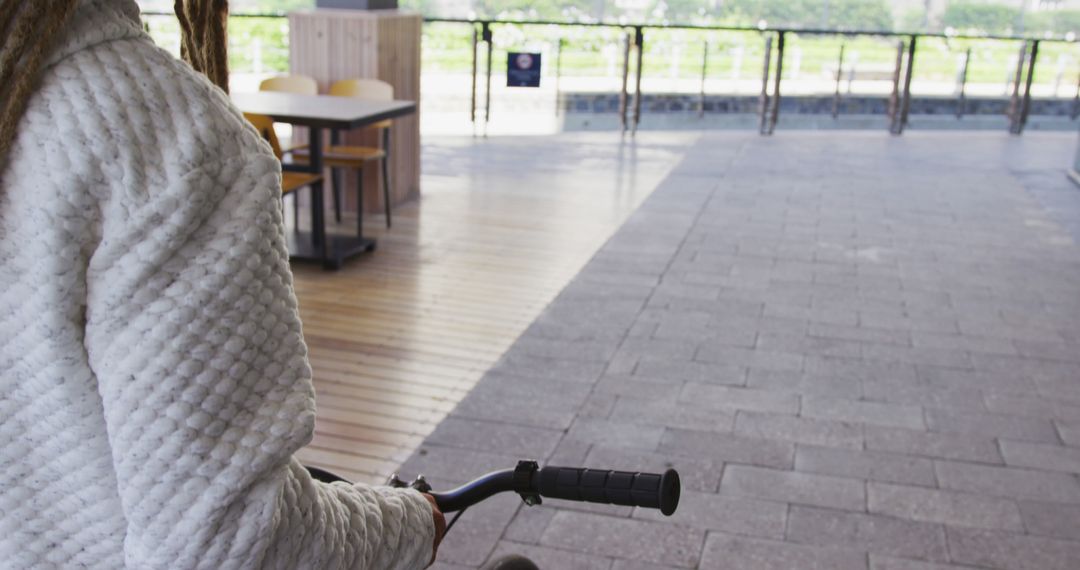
(193, 334)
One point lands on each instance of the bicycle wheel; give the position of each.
(511, 562)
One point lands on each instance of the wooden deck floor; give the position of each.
(399, 336)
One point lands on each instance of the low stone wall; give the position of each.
(807, 104)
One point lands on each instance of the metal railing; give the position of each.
(775, 40)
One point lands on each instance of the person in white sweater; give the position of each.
(154, 381)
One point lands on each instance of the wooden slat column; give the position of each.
(330, 45)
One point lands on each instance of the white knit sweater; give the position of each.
(154, 381)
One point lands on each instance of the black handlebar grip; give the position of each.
(612, 487)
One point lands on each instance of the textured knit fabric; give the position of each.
(154, 381)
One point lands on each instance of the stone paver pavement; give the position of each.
(860, 352)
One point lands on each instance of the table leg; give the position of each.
(315, 163)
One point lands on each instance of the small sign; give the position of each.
(523, 70)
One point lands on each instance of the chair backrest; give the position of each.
(370, 89)
(265, 125)
(298, 84)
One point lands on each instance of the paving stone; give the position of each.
(878, 562)
(937, 445)
(1008, 482)
(638, 387)
(1051, 519)
(570, 452)
(453, 465)
(844, 317)
(1042, 456)
(639, 565)
(529, 524)
(873, 533)
(963, 342)
(581, 350)
(696, 473)
(804, 384)
(723, 552)
(805, 344)
(549, 368)
(445, 566)
(597, 406)
(632, 539)
(498, 437)
(730, 374)
(860, 369)
(793, 487)
(999, 549)
(476, 534)
(659, 349)
(918, 355)
(871, 465)
(1070, 432)
(736, 515)
(861, 334)
(737, 398)
(1051, 351)
(976, 381)
(947, 507)
(1036, 407)
(991, 425)
(923, 395)
(747, 358)
(729, 448)
(616, 433)
(668, 412)
(893, 415)
(799, 430)
(550, 557)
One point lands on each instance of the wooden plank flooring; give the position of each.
(399, 336)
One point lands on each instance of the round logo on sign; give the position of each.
(523, 61)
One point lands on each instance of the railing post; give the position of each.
(894, 97)
(776, 86)
(558, 77)
(639, 40)
(1025, 107)
(704, 73)
(961, 99)
(472, 100)
(765, 85)
(905, 107)
(623, 95)
(1014, 101)
(1076, 102)
(839, 77)
(487, 91)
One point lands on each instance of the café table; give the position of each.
(319, 112)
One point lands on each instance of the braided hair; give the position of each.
(29, 30)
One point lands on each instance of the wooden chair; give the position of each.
(356, 157)
(290, 181)
(299, 84)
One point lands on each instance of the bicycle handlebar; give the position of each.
(648, 490)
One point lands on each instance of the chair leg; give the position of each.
(296, 212)
(386, 174)
(335, 180)
(359, 202)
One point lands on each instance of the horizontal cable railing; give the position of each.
(631, 69)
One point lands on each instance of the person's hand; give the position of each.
(440, 526)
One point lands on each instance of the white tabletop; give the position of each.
(321, 110)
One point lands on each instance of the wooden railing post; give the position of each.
(765, 85)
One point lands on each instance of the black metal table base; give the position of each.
(337, 251)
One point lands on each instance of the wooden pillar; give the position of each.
(329, 45)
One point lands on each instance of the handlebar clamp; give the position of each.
(523, 482)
